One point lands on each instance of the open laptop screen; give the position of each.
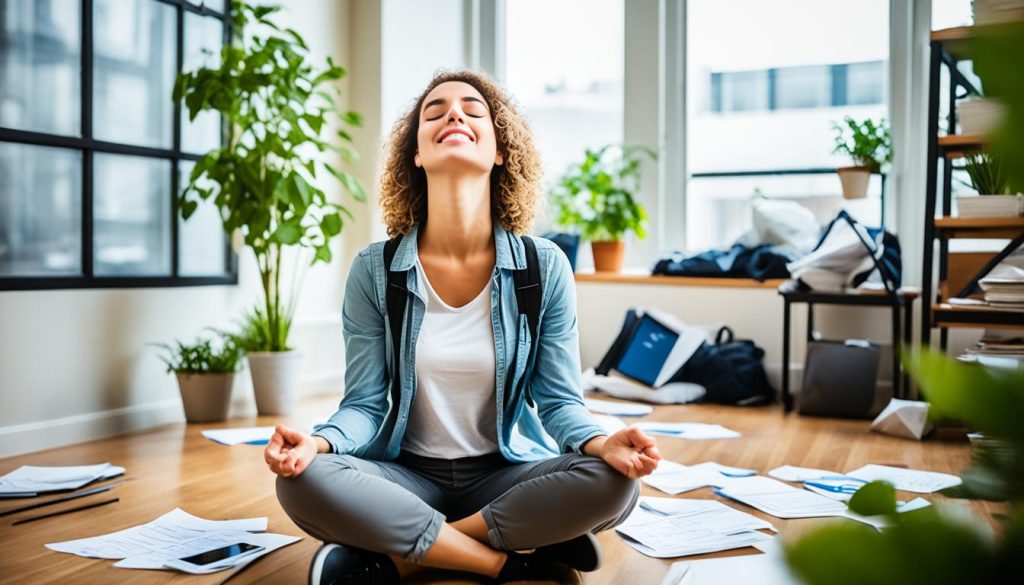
(647, 351)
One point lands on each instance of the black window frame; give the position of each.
(88, 146)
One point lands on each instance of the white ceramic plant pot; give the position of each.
(854, 181)
(979, 115)
(275, 380)
(206, 397)
(989, 205)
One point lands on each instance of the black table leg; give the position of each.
(787, 400)
(896, 390)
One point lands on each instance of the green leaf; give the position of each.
(188, 208)
(331, 224)
(323, 254)
(287, 233)
(874, 499)
(352, 118)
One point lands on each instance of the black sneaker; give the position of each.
(337, 564)
(582, 553)
(520, 567)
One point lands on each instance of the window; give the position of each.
(765, 81)
(575, 101)
(92, 148)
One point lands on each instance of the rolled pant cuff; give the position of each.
(427, 537)
(493, 535)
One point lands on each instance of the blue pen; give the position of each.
(258, 442)
(839, 484)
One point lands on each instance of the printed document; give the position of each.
(30, 480)
(909, 480)
(174, 535)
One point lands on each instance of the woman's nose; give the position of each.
(455, 114)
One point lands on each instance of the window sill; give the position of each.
(635, 277)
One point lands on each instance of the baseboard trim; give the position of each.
(58, 432)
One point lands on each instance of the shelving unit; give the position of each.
(957, 276)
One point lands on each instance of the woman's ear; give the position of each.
(416, 159)
(499, 159)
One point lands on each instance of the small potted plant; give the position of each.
(988, 176)
(206, 376)
(868, 145)
(597, 199)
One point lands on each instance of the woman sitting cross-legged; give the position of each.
(467, 439)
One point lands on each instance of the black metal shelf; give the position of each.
(948, 47)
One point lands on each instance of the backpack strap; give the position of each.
(395, 295)
(528, 298)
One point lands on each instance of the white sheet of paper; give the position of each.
(693, 431)
(675, 478)
(710, 514)
(781, 500)
(676, 536)
(792, 473)
(29, 480)
(909, 480)
(618, 408)
(763, 569)
(172, 529)
(255, 435)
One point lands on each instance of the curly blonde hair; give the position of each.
(515, 185)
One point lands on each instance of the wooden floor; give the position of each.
(174, 466)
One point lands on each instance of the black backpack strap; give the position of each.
(528, 289)
(528, 298)
(395, 294)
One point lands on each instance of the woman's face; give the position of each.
(456, 131)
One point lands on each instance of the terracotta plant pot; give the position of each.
(275, 380)
(855, 181)
(608, 256)
(206, 397)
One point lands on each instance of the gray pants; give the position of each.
(398, 507)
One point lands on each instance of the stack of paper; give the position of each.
(693, 528)
(175, 535)
(674, 478)
(693, 431)
(30, 480)
(780, 500)
(909, 480)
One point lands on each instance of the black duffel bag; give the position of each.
(731, 370)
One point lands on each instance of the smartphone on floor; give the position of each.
(215, 559)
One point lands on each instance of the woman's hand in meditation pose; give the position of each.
(630, 452)
(290, 452)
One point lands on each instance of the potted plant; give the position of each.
(596, 198)
(988, 176)
(868, 145)
(276, 106)
(206, 375)
(942, 543)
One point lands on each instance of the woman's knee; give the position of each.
(311, 487)
(616, 494)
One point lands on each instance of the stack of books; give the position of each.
(1001, 348)
(1003, 292)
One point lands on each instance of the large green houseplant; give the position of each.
(868, 145)
(597, 199)
(277, 107)
(941, 544)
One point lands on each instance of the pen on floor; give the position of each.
(68, 511)
(63, 498)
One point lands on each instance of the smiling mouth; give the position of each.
(456, 137)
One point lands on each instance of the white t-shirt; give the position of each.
(454, 413)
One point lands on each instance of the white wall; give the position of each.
(75, 364)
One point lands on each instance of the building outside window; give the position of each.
(765, 82)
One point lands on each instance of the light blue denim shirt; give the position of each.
(366, 425)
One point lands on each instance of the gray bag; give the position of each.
(840, 379)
